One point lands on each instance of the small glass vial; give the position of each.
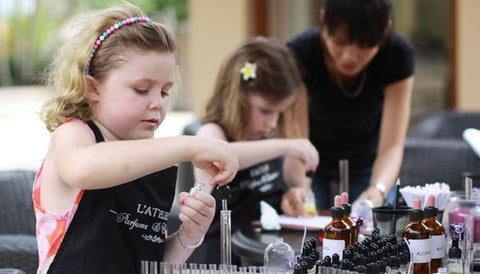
(454, 260)
(418, 237)
(199, 186)
(437, 234)
(394, 266)
(336, 235)
(279, 257)
(309, 205)
(362, 208)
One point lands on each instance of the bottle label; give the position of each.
(331, 247)
(420, 250)
(438, 246)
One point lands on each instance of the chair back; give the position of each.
(448, 124)
(16, 214)
(430, 161)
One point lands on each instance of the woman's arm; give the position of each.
(393, 130)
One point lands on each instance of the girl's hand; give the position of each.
(196, 213)
(217, 159)
(303, 150)
(292, 202)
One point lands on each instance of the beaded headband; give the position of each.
(108, 32)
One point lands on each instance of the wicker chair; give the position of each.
(18, 245)
(436, 152)
(437, 160)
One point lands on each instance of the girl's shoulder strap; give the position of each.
(96, 131)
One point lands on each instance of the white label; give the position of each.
(438, 246)
(420, 250)
(331, 247)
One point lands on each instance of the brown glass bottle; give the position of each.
(437, 234)
(349, 221)
(418, 236)
(336, 235)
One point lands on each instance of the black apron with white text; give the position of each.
(114, 229)
(263, 181)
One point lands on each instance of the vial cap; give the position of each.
(223, 192)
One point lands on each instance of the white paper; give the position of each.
(420, 250)
(317, 222)
(441, 191)
(438, 243)
(269, 217)
(331, 247)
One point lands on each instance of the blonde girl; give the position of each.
(104, 190)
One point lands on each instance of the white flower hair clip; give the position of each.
(249, 71)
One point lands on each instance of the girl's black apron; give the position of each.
(263, 181)
(114, 229)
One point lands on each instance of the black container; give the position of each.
(390, 221)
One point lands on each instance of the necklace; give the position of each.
(329, 62)
(356, 92)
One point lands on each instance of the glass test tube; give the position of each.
(198, 186)
(225, 234)
(153, 268)
(144, 267)
(203, 269)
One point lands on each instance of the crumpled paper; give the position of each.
(269, 217)
(441, 191)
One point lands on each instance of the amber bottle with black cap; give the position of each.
(437, 234)
(336, 235)
(348, 220)
(418, 237)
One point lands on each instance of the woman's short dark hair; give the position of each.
(366, 20)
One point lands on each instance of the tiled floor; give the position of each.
(24, 138)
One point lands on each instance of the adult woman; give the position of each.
(359, 76)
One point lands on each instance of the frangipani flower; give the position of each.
(249, 71)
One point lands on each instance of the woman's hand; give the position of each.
(374, 195)
(196, 213)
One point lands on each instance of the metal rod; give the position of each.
(468, 188)
(344, 181)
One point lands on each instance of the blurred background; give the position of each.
(445, 34)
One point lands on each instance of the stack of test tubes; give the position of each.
(154, 267)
